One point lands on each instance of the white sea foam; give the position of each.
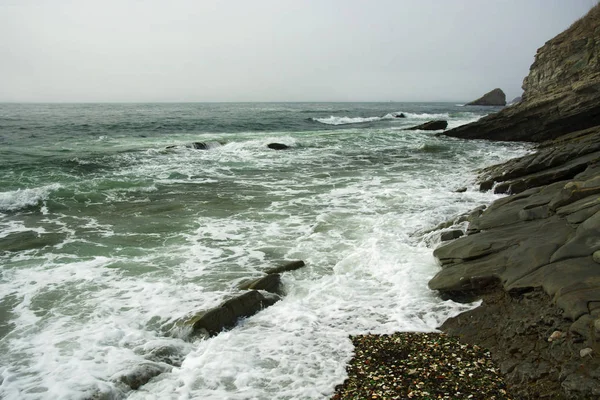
(22, 198)
(333, 120)
(348, 204)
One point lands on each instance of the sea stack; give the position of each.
(495, 97)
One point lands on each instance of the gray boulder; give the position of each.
(228, 313)
(495, 97)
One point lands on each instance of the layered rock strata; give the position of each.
(534, 258)
(561, 92)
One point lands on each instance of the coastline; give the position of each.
(532, 258)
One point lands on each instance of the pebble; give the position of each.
(420, 366)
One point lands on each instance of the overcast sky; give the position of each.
(272, 50)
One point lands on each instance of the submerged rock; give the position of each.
(430, 126)
(291, 266)
(270, 283)
(228, 313)
(494, 97)
(142, 374)
(278, 146)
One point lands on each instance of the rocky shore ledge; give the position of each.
(533, 257)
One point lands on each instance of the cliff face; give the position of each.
(569, 62)
(561, 92)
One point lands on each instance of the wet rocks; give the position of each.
(278, 146)
(226, 315)
(260, 293)
(290, 266)
(270, 283)
(430, 126)
(495, 97)
(142, 374)
(532, 254)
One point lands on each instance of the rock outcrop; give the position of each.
(430, 126)
(531, 257)
(561, 92)
(494, 97)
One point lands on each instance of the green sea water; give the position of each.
(113, 228)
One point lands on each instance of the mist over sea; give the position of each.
(114, 229)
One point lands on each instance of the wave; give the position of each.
(427, 116)
(23, 198)
(333, 120)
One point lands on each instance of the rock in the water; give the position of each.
(200, 146)
(278, 146)
(227, 314)
(270, 283)
(142, 374)
(291, 266)
(495, 97)
(401, 115)
(431, 126)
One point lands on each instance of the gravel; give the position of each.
(408, 365)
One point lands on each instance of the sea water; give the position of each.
(114, 229)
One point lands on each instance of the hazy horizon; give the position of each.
(67, 51)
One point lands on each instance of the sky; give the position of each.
(272, 50)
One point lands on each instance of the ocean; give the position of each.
(114, 229)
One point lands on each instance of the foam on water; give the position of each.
(334, 120)
(155, 236)
(22, 198)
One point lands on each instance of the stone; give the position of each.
(430, 126)
(291, 266)
(584, 243)
(205, 145)
(495, 97)
(278, 146)
(401, 115)
(142, 374)
(451, 235)
(556, 335)
(586, 352)
(228, 313)
(270, 283)
(200, 146)
(461, 190)
(596, 256)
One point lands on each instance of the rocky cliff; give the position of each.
(561, 92)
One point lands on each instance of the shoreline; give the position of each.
(532, 258)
